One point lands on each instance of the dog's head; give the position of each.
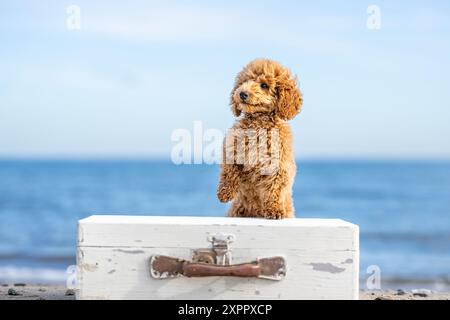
(265, 86)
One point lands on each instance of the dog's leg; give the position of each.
(288, 204)
(229, 182)
(237, 209)
(273, 202)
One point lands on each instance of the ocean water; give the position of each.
(402, 208)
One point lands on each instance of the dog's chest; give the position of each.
(130, 257)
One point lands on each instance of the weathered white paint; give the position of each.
(113, 253)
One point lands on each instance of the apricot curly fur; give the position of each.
(266, 94)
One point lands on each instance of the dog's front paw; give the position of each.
(274, 212)
(225, 193)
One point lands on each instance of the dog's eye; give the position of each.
(264, 86)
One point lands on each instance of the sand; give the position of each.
(34, 292)
(404, 295)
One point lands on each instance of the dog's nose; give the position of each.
(243, 95)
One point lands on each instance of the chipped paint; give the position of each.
(348, 261)
(326, 267)
(89, 267)
(80, 234)
(130, 251)
(80, 255)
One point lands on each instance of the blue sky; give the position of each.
(138, 70)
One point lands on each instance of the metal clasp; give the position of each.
(220, 253)
(221, 246)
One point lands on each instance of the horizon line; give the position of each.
(156, 158)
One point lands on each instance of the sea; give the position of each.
(401, 207)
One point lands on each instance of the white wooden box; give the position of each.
(113, 257)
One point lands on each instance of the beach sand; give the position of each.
(34, 292)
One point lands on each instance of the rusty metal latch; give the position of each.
(216, 261)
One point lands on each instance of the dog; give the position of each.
(258, 166)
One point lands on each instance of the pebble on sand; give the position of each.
(70, 292)
(400, 292)
(12, 292)
(421, 293)
(382, 298)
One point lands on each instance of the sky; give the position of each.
(136, 71)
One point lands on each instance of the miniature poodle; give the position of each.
(258, 166)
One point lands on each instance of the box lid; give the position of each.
(191, 232)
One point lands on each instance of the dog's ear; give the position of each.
(234, 108)
(289, 98)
